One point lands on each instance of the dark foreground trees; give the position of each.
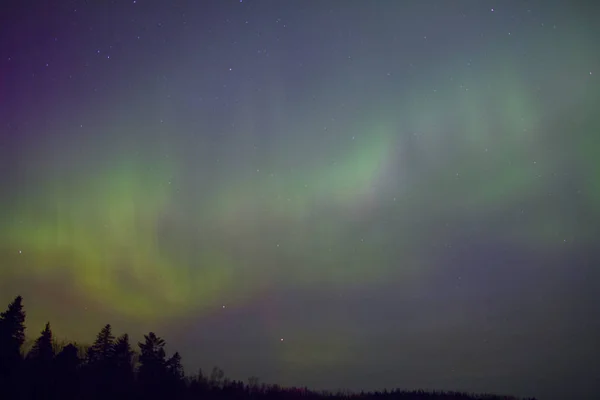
(12, 337)
(106, 370)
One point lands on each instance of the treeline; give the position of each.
(111, 369)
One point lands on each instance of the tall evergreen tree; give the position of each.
(101, 350)
(12, 325)
(122, 367)
(152, 351)
(175, 376)
(12, 337)
(122, 354)
(42, 352)
(152, 372)
(99, 372)
(174, 366)
(40, 362)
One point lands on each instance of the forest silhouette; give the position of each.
(110, 368)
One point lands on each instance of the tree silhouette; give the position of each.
(153, 369)
(67, 360)
(175, 374)
(121, 364)
(122, 354)
(42, 352)
(216, 376)
(106, 370)
(40, 362)
(67, 364)
(152, 357)
(99, 371)
(100, 352)
(174, 366)
(12, 325)
(199, 383)
(12, 337)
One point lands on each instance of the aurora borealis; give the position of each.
(406, 192)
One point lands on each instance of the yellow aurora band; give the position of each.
(105, 234)
(107, 231)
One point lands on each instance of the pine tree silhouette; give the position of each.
(101, 351)
(152, 372)
(122, 354)
(121, 364)
(12, 337)
(174, 366)
(105, 370)
(12, 324)
(40, 362)
(42, 352)
(98, 371)
(175, 378)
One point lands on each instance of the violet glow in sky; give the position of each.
(326, 193)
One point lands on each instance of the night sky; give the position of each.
(339, 194)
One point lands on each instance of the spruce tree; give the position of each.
(152, 372)
(42, 352)
(12, 329)
(12, 337)
(101, 351)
